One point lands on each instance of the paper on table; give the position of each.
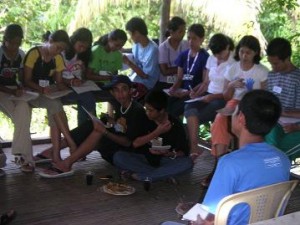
(58, 94)
(86, 86)
(104, 73)
(27, 96)
(295, 171)
(194, 99)
(179, 90)
(130, 57)
(93, 117)
(286, 120)
(196, 210)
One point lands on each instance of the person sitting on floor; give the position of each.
(157, 164)
(129, 123)
(284, 82)
(255, 164)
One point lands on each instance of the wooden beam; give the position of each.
(164, 19)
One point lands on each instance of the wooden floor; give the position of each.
(69, 200)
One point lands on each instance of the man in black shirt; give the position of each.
(130, 122)
(168, 155)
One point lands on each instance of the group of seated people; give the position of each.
(145, 138)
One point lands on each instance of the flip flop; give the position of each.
(7, 217)
(39, 158)
(55, 173)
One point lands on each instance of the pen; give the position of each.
(190, 87)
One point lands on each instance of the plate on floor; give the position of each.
(118, 189)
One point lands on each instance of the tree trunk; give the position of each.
(164, 19)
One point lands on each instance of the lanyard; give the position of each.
(188, 70)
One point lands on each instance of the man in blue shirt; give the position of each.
(256, 163)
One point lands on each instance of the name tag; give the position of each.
(44, 83)
(187, 77)
(277, 89)
(171, 79)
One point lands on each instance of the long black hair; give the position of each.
(219, 42)
(174, 24)
(252, 43)
(115, 35)
(83, 35)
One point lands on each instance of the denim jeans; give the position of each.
(138, 164)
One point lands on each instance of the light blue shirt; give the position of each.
(146, 58)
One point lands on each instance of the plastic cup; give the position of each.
(147, 184)
(89, 178)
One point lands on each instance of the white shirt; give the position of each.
(168, 55)
(257, 74)
(216, 73)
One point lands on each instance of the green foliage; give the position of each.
(6, 125)
(279, 18)
(36, 17)
(204, 131)
(116, 17)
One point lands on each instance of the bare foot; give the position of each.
(61, 165)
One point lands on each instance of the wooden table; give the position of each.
(292, 218)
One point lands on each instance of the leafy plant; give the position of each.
(279, 18)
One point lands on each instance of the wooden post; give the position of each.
(164, 19)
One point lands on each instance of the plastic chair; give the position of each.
(265, 202)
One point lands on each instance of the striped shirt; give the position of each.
(286, 86)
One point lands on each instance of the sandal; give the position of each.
(7, 217)
(39, 158)
(19, 160)
(27, 168)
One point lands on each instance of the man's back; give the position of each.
(254, 165)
